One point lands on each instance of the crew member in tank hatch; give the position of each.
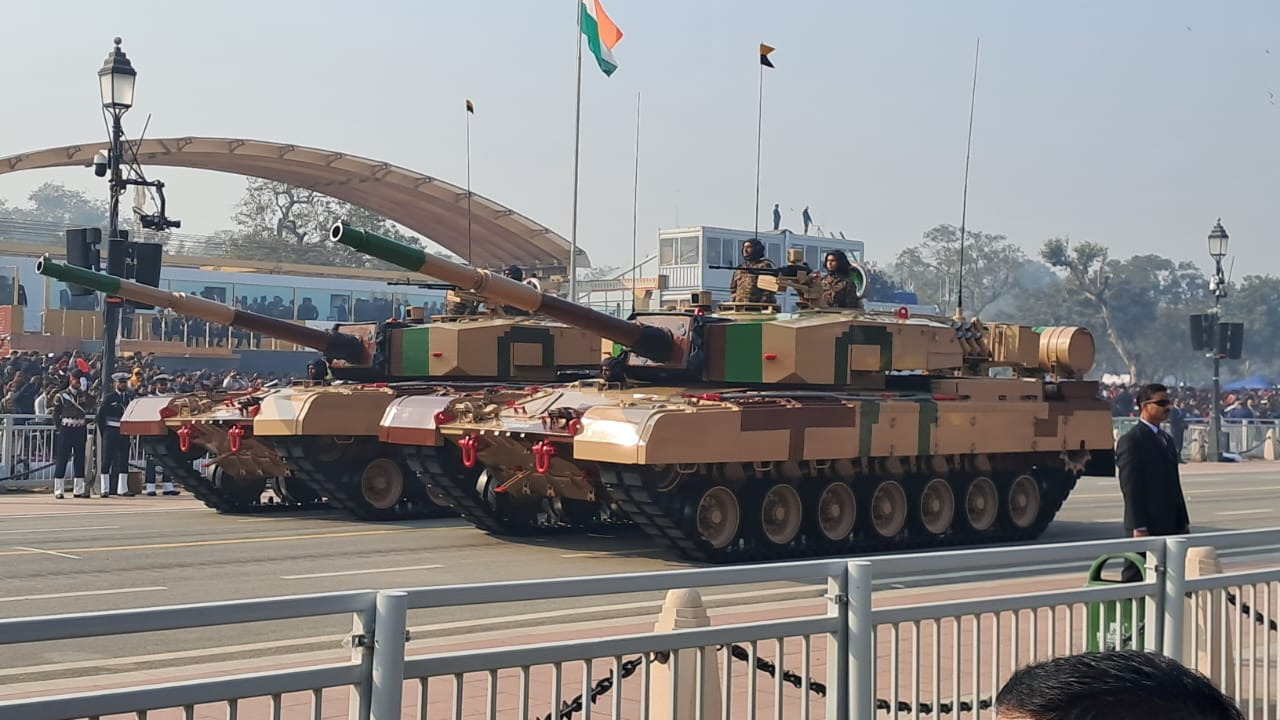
(838, 288)
(72, 407)
(1148, 468)
(115, 447)
(515, 273)
(743, 287)
(318, 371)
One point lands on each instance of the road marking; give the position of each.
(83, 593)
(1244, 512)
(600, 554)
(203, 543)
(1215, 491)
(65, 529)
(360, 572)
(46, 552)
(103, 512)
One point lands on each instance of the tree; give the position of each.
(56, 203)
(284, 223)
(931, 268)
(1254, 302)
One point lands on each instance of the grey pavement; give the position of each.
(74, 556)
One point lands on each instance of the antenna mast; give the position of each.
(964, 203)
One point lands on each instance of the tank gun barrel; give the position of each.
(645, 340)
(334, 345)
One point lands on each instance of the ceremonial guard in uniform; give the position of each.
(743, 287)
(162, 390)
(115, 447)
(71, 408)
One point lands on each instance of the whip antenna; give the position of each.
(964, 203)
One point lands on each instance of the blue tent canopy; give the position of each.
(1253, 382)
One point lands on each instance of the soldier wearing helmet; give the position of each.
(743, 288)
(838, 288)
(515, 273)
(318, 371)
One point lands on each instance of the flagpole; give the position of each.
(577, 124)
(470, 260)
(759, 122)
(635, 204)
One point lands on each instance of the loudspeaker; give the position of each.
(145, 268)
(1230, 340)
(118, 254)
(1200, 338)
(82, 251)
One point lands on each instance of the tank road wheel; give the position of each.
(382, 483)
(1023, 502)
(241, 492)
(293, 491)
(937, 506)
(717, 516)
(781, 513)
(889, 508)
(837, 511)
(981, 504)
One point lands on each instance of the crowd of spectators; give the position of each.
(30, 379)
(1258, 403)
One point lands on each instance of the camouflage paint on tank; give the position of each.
(411, 351)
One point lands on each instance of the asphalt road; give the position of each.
(74, 556)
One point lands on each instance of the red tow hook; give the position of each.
(233, 437)
(468, 447)
(542, 453)
(184, 437)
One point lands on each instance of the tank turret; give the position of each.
(819, 346)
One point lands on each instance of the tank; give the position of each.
(750, 434)
(319, 440)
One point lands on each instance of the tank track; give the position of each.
(177, 465)
(442, 469)
(664, 516)
(341, 487)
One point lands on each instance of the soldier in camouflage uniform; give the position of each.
(743, 287)
(72, 407)
(838, 289)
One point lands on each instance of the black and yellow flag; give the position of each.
(471, 108)
(764, 55)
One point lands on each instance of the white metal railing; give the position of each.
(27, 451)
(843, 660)
(1243, 437)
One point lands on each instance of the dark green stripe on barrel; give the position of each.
(396, 253)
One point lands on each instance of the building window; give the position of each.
(775, 253)
(713, 251)
(667, 251)
(811, 257)
(687, 251)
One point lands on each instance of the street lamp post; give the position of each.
(1218, 286)
(116, 78)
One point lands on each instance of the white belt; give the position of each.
(113, 423)
(73, 423)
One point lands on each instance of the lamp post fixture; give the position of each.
(116, 79)
(1218, 286)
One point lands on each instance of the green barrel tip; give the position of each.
(77, 276)
(392, 251)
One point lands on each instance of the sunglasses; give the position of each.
(1160, 403)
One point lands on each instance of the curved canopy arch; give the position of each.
(429, 206)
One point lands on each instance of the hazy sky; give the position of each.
(1134, 124)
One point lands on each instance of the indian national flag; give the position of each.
(601, 34)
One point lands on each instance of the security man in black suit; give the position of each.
(1147, 461)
